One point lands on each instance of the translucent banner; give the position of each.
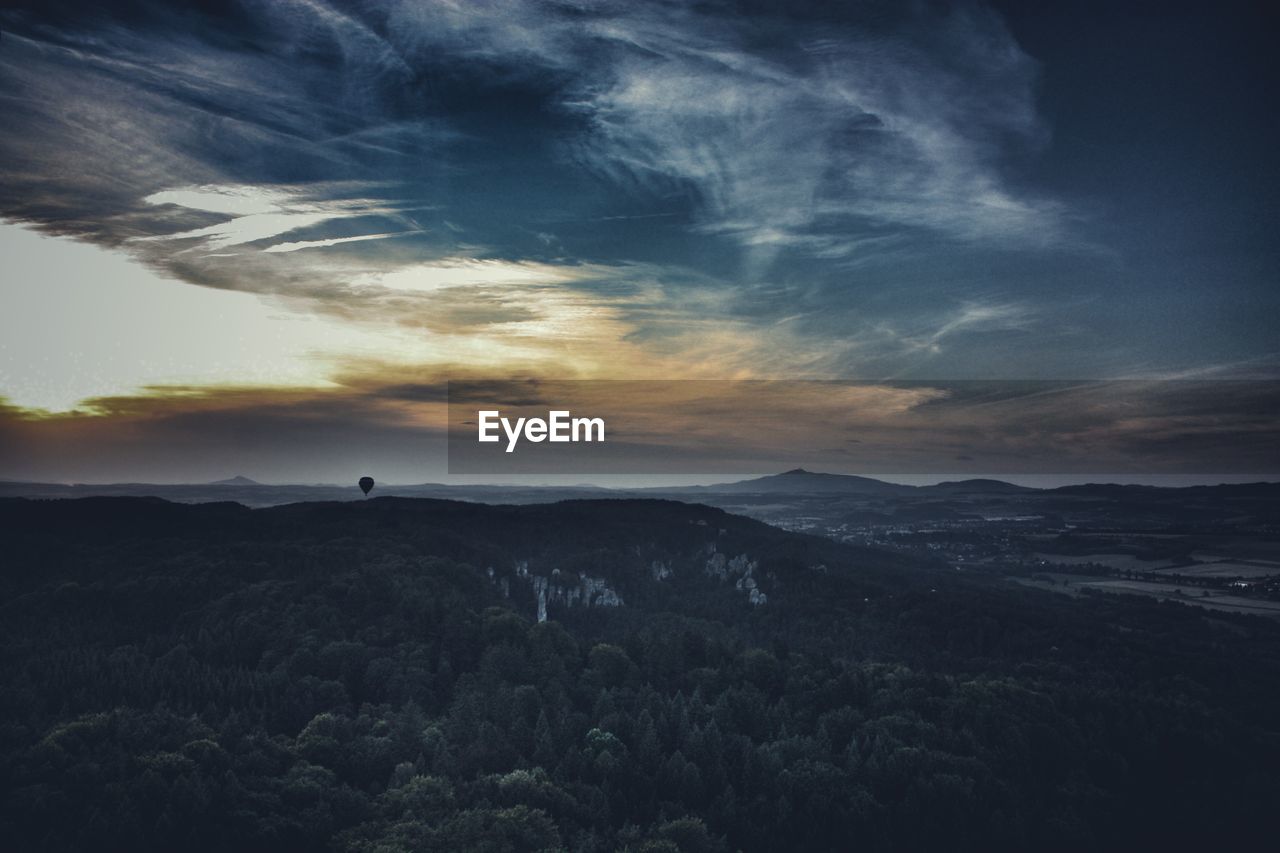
(880, 427)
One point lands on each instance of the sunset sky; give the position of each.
(258, 237)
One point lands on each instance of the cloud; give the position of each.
(381, 420)
(972, 317)
(580, 187)
(459, 272)
(808, 134)
(330, 241)
(822, 134)
(167, 434)
(791, 132)
(259, 213)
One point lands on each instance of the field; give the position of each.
(1120, 562)
(1076, 585)
(1226, 569)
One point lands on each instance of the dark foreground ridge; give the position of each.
(374, 675)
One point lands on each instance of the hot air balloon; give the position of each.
(366, 484)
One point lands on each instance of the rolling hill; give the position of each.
(400, 674)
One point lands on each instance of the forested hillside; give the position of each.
(373, 676)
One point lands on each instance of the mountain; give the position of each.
(570, 553)
(1121, 491)
(237, 480)
(801, 482)
(979, 487)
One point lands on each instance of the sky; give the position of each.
(258, 237)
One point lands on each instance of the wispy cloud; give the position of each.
(260, 213)
(968, 318)
(791, 133)
(330, 241)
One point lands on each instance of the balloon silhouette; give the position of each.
(366, 484)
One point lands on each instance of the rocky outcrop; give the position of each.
(740, 569)
(585, 591)
(564, 590)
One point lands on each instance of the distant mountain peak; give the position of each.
(979, 484)
(802, 481)
(237, 480)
